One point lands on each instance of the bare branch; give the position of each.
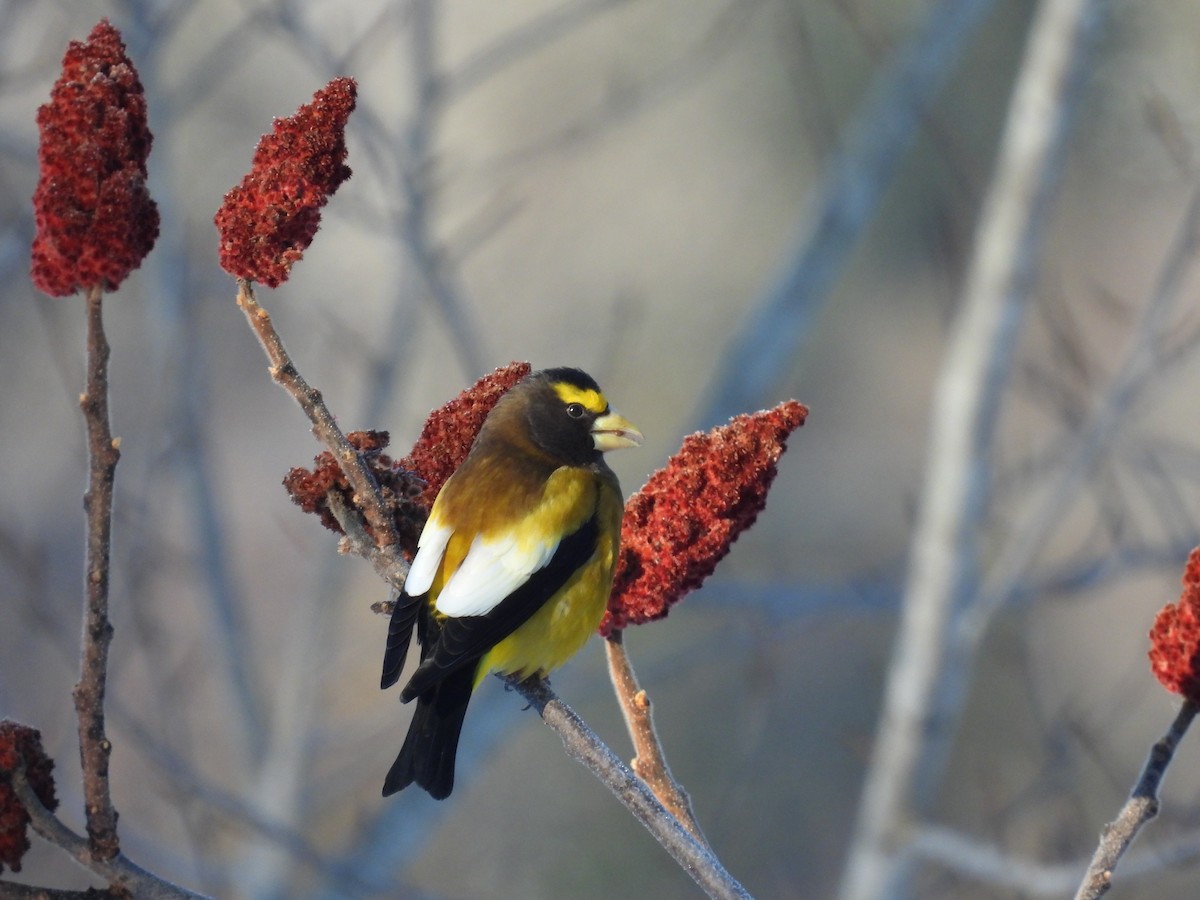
(116, 869)
(649, 761)
(387, 562)
(680, 73)
(848, 194)
(520, 43)
(185, 372)
(103, 454)
(944, 568)
(1143, 367)
(417, 226)
(583, 744)
(991, 865)
(325, 427)
(1140, 808)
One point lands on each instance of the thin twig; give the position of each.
(993, 866)
(413, 224)
(279, 792)
(417, 229)
(1140, 808)
(387, 561)
(582, 743)
(116, 869)
(219, 800)
(185, 372)
(997, 867)
(103, 454)
(850, 191)
(945, 559)
(1144, 365)
(519, 44)
(325, 427)
(649, 762)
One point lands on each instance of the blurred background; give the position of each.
(710, 206)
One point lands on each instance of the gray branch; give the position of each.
(849, 193)
(944, 561)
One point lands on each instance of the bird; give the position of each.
(514, 565)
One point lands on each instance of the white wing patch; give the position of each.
(431, 546)
(491, 571)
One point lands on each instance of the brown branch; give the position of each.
(583, 745)
(103, 454)
(1140, 808)
(366, 492)
(649, 762)
(387, 561)
(124, 876)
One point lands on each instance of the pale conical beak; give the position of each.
(612, 432)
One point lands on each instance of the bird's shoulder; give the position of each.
(499, 519)
(507, 488)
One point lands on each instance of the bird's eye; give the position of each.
(575, 410)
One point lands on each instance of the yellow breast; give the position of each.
(558, 630)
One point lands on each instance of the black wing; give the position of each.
(399, 636)
(463, 640)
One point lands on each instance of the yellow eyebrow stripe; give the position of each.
(592, 401)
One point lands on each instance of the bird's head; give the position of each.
(566, 416)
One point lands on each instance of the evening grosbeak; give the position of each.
(514, 567)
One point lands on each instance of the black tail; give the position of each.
(427, 757)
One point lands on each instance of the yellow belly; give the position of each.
(558, 630)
